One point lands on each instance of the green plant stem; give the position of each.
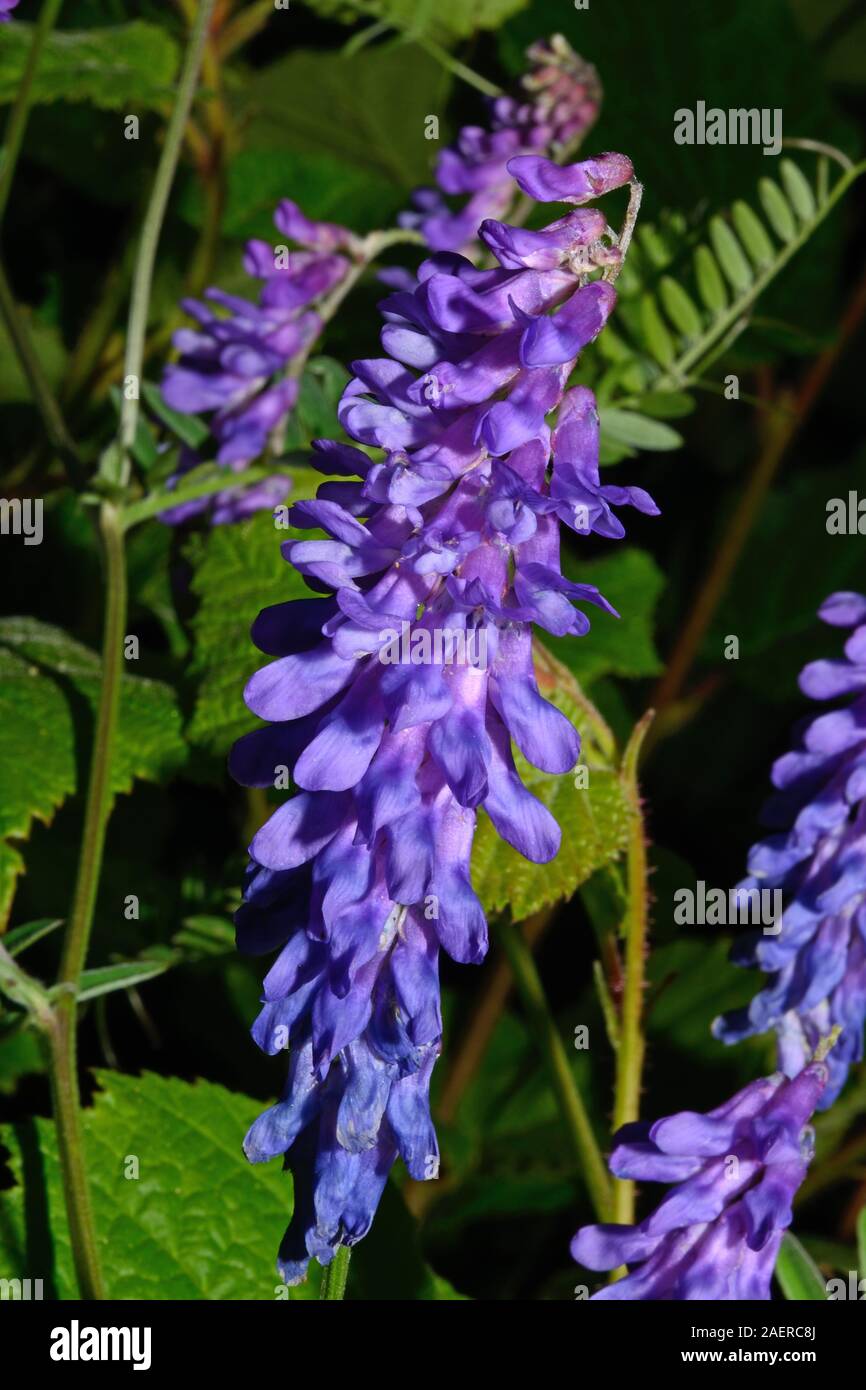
(453, 65)
(335, 1275)
(143, 274)
(17, 123)
(632, 1044)
(62, 1036)
(157, 502)
(552, 1048)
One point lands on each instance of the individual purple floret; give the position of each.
(717, 1232)
(817, 961)
(6, 8)
(236, 364)
(561, 100)
(396, 694)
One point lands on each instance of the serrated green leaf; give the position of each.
(752, 234)
(198, 1222)
(149, 742)
(710, 283)
(638, 431)
(730, 255)
(799, 1277)
(798, 189)
(40, 741)
(594, 820)
(778, 210)
(125, 67)
(655, 331)
(680, 308)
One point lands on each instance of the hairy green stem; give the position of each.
(62, 1036)
(552, 1048)
(632, 1044)
(143, 275)
(156, 502)
(335, 1275)
(17, 123)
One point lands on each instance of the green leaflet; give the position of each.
(798, 1275)
(667, 336)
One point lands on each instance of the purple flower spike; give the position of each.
(398, 696)
(234, 364)
(716, 1234)
(816, 957)
(561, 102)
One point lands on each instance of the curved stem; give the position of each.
(632, 1044)
(62, 1035)
(17, 122)
(550, 1042)
(335, 1275)
(151, 227)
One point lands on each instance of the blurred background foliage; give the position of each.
(325, 102)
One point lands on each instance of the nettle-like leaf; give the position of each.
(685, 299)
(595, 819)
(47, 680)
(124, 67)
(179, 1212)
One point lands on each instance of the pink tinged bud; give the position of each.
(547, 182)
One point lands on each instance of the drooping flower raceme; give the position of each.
(237, 364)
(395, 694)
(717, 1232)
(561, 100)
(817, 961)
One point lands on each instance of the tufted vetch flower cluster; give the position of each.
(817, 858)
(716, 1234)
(442, 520)
(239, 365)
